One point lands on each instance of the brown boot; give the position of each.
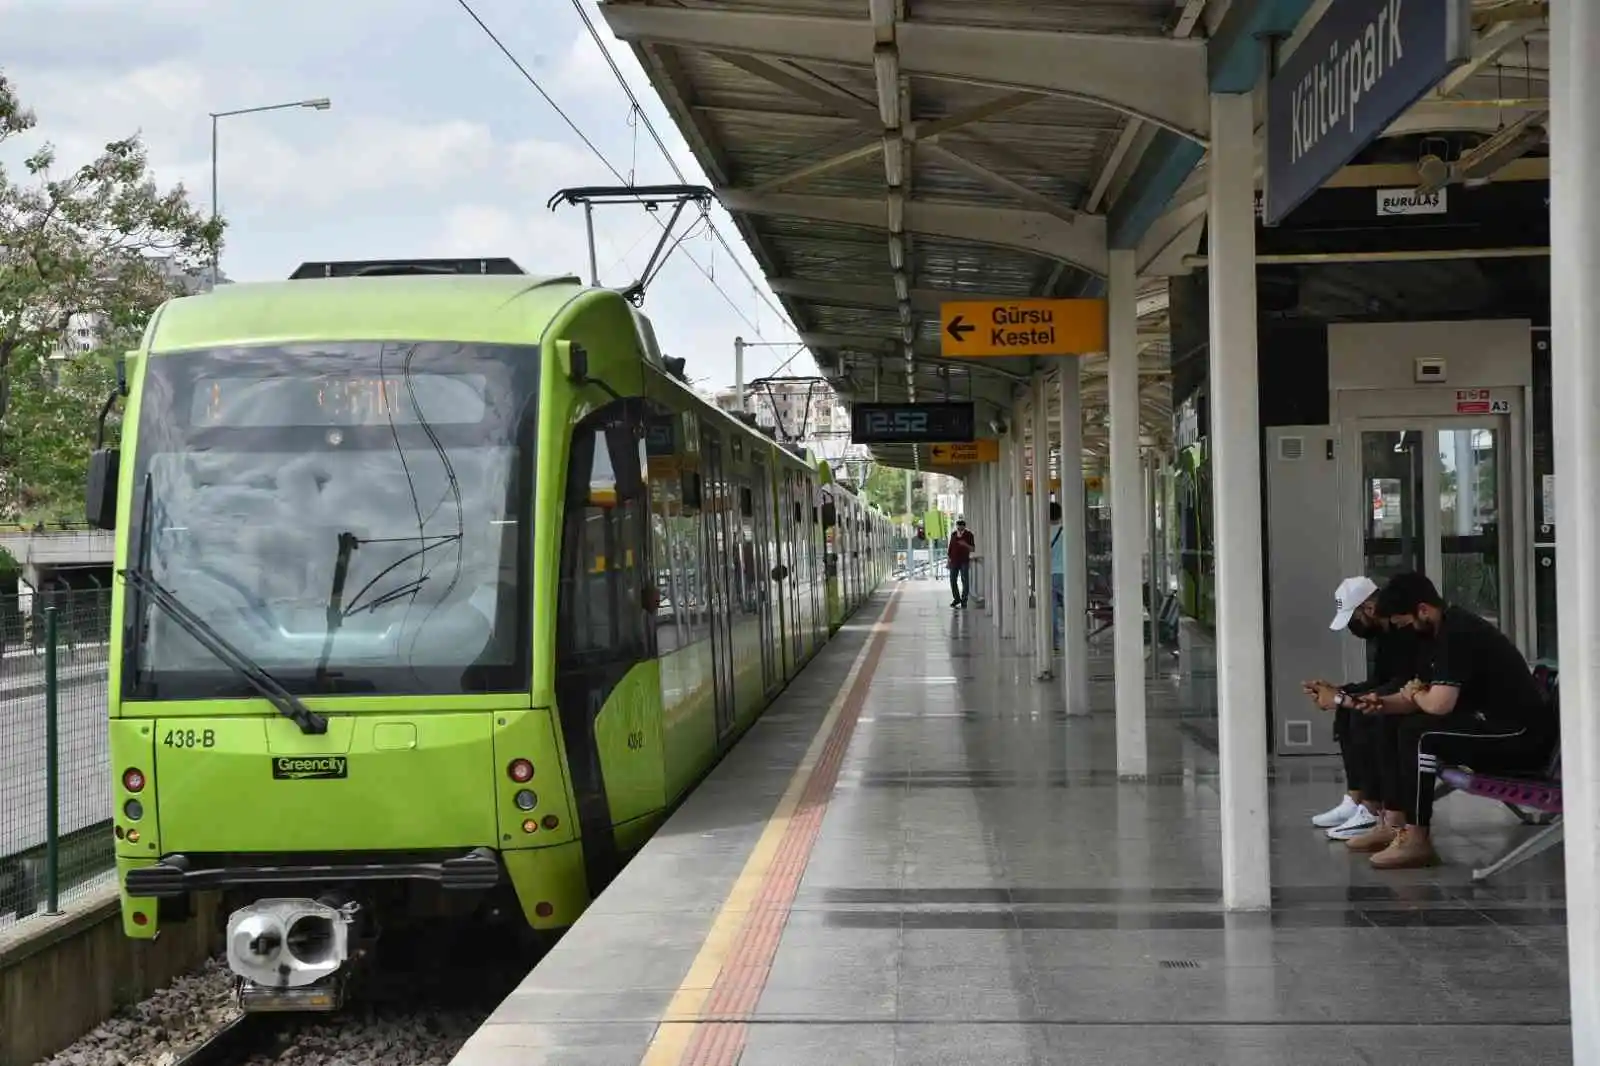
(1377, 838)
(1412, 849)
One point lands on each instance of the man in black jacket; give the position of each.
(1392, 661)
(1472, 700)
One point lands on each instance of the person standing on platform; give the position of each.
(1393, 663)
(959, 557)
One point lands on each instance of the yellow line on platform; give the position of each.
(678, 1024)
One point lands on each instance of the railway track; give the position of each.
(418, 1010)
(236, 1042)
(417, 1013)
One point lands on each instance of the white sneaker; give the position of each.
(1338, 816)
(1354, 826)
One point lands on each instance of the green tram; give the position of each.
(440, 589)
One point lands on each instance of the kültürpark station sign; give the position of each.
(1361, 67)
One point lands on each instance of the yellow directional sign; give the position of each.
(979, 328)
(978, 451)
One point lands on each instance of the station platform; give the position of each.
(916, 857)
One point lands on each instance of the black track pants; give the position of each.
(1426, 742)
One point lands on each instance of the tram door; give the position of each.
(718, 543)
(811, 511)
(789, 522)
(769, 603)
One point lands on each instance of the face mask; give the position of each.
(1362, 629)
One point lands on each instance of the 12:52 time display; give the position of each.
(912, 423)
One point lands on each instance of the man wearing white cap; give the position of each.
(1356, 610)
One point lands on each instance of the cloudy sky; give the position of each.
(435, 145)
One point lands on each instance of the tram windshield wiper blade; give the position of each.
(287, 704)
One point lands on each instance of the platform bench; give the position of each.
(1520, 793)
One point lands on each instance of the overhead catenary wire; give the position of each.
(598, 154)
(650, 127)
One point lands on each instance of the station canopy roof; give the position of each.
(881, 157)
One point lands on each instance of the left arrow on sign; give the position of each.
(959, 328)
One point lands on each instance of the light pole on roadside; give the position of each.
(320, 104)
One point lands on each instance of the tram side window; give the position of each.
(676, 552)
(605, 545)
(745, 564)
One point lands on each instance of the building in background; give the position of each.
(85, 330)
(805, 412)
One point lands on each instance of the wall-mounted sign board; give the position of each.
(1361, 67)
(976, 329)
(978, 451)
(1482, 402)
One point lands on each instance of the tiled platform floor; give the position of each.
(984, 890)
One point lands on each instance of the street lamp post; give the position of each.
(319, 104)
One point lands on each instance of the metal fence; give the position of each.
(55, 773)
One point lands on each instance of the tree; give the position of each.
(104, 242)
(885, 488)
(52, 421)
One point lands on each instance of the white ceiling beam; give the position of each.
(1154, 304)
(854, 294)
(1189, 12)
(803, 84)
(1156, 78)
(1119, 152)
(1485, 47)
(870, 143)
(865, 342)
(1159, 79)
(1003, 153)
(1081, 242)
(1171, 237)
(1188, 15)
(1001, 183)
(1440, 116)
(868, 149)
(929, 130)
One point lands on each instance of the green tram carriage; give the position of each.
(440, 589)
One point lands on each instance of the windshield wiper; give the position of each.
(348, 543)
(336, 610)
(287, 704)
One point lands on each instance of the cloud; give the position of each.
(435, 144)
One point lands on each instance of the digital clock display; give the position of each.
(912, 423)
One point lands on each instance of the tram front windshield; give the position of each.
(353, 516)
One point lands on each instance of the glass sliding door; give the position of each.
(1433, 496)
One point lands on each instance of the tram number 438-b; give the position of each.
(190, 738)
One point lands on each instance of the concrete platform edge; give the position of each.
(61, 976)
(602, 976)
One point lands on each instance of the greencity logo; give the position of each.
(309, 767)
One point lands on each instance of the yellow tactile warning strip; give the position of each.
(705, 1023)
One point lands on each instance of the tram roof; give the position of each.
(484, 308)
